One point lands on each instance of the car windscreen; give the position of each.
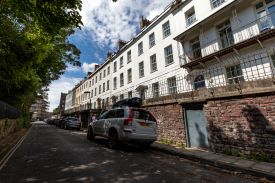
(142, 114)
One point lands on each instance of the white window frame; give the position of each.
(166, 30)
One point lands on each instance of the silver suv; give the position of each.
(125, 124)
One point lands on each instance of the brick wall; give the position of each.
(170, 123)
(246, 123)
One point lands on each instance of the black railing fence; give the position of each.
(8, 111)
(234, 69)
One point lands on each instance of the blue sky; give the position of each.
(105, 22)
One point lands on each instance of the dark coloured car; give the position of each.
(71, 123)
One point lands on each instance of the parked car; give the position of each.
(71, 122)
(125, 124)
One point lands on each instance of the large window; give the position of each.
(129, 75)
(172, 85)
(121, 97)
(225, 33)
(121, 80)
(234, 74)
(129, 56)
(196, 48)
(140, 48)
(166, 29)
(95, 91)
(99, 90)
(266, 14)
(216, 3)
(115, 83)
(115, 66)
(100, 76)
(103, 87)
(190, 17)
(152, 40)
(108, 85)
(108, 70)
(104, 73)
(141, 69)
(168, 52)
(153, 63)
(155, 89)
(121, 62)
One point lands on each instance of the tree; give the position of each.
(34, 46)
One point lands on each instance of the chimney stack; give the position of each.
(144, 23)
(96, 66)
(121, 43)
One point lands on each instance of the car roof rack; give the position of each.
(130, 102)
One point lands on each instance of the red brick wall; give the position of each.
(247, 124)
(170, 124)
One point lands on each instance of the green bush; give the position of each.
(24, 120)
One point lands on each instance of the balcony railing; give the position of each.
(252, 67)
(229, 38)
(190, 20)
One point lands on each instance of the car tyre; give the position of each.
(146, 145)
(90, 134)
(113, 139)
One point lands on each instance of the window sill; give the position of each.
(169, 64)
(152, 46)
(154, 71)
(141, 76)
(129, 82)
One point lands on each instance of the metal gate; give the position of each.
(197, 135)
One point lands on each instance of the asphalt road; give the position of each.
(49, 154)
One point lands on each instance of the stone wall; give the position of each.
(170, 125)
(7, 126)
(244, 123)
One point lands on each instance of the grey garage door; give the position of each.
(196, 128)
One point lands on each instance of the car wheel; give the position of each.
(146, 145)
(113, 139)
(90, 134)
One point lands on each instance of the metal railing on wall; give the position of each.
(8, 111)
(231, 70)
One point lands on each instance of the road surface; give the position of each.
(49, 154)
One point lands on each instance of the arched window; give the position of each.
(199, 82)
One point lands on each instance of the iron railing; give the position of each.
(232, 70)
(230, 37)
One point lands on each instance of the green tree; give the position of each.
(34, 46)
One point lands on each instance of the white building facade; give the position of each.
(205, 69)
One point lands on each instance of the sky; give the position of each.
(104, 23)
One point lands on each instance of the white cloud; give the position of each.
(106, 22)
(86, 67)
(64, 84)
(71, 68)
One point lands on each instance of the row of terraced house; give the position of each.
(205, 70)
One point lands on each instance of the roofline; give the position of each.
(136, 38)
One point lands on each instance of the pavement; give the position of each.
(237, 164)
(48, 154)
